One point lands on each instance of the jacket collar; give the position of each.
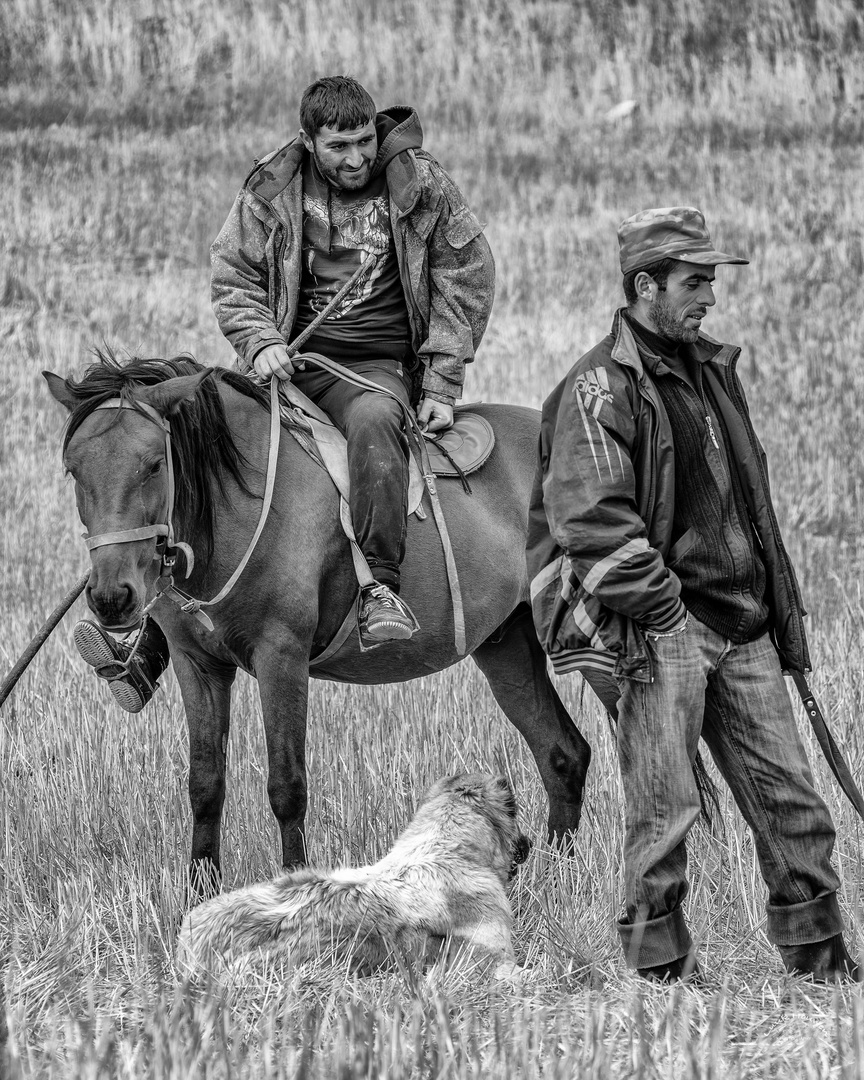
(273, 174)
(626, 350)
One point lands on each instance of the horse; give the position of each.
(300, 583)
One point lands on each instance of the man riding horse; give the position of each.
(354, 196)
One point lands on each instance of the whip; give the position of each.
(42, 635)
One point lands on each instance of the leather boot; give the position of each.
(824, 961)
(684, 969)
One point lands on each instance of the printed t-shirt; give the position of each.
(341, 231)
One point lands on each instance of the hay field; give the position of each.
(125, 130)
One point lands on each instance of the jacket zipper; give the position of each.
(279, 257)
(782, 556)
(711, 431)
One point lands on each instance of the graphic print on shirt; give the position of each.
(353, 233)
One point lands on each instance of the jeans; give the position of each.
(377, 455)
(735, 698)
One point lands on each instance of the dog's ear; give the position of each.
(503, 785)
(442, 786)
(464, 784)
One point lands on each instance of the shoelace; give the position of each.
(384, 597)
(381, 592)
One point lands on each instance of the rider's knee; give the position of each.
(375, 411)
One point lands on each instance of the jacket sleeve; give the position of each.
(461, 290)
(590, 497)
(240, 282)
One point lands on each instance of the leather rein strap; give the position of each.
(127, 536)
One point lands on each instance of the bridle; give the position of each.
(166, 545)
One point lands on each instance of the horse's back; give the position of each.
(487, 529)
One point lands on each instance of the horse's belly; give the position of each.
(489, 554)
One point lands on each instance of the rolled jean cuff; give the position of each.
(655, 941)
(802, 924)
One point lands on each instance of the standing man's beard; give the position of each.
(669, 325)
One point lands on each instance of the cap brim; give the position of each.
(709, 258)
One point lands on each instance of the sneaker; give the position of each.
(133, 687)
(384, 616)
(824, 961)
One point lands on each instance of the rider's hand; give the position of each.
(434, 415)
(274, 360)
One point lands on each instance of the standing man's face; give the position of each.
(344, 158)
(678, 311)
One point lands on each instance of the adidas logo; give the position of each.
(593, 385)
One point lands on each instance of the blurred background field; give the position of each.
(125, 130)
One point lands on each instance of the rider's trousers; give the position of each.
(377, 452)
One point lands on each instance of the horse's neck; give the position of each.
(238, 513)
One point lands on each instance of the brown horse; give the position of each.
(299, 584)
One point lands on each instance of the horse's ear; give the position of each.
(167, 397)
(60, 390)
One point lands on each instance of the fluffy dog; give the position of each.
(444, 879)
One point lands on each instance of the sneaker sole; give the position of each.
(96, 652)
(388, 631)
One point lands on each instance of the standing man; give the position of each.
(354, 193)
(666, 582)
(356, 189)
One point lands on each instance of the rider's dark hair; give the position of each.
(658, 272)
(337, 101)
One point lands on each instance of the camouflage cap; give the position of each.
(669, 232)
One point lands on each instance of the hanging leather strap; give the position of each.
(826, 740)
(190, 604)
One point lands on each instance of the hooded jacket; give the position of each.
(444, 261)
(600, 559)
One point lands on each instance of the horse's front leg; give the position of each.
(515, 666)
(206, 688)
(283, 683)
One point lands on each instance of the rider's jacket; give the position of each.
(445, 263)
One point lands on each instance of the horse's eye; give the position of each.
(154, 470)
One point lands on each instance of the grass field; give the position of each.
(125, 131)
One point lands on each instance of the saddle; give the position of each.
(457, 452)
(316, 432)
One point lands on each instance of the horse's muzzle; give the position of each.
(117, 608)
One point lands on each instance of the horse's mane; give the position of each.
(203, 448)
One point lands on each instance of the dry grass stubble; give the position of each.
(104, 235)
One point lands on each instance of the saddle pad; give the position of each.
(469, 443)
(328, 446)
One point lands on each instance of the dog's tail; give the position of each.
(227, 926)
